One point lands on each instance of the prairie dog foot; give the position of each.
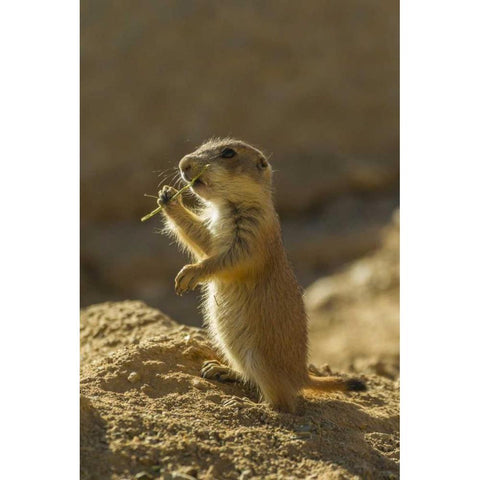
(214, 370)
(239, 402)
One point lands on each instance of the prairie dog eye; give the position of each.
(228, 153)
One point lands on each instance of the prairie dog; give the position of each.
(253, 305)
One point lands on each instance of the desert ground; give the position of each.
(146, 413)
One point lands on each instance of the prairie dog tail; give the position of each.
(335, 384)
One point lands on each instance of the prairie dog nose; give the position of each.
(185, 165)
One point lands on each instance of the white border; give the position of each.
(439, 238)
(39, 148)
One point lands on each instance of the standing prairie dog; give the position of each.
(253, 305)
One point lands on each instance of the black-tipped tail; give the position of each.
(335, 384)
(355, 385)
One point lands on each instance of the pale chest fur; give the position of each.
(240, 301)
(220, 225)
(229, 314)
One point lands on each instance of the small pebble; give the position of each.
(199, 384)
(214, 398)
(143, 476)
(245, 474)
(147, 389)
(133, 377)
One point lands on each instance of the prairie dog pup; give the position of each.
(253, 305)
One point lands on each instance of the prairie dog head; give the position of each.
(236, 171)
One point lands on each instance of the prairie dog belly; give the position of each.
(228, 312)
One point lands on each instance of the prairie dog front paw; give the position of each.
(187, 279)
(166, 194)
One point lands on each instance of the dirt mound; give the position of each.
(147, 414)
(354, 314)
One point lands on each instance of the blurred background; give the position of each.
(313, 83)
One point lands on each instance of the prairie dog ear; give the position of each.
(262, 163)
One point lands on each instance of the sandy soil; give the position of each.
(147, 414)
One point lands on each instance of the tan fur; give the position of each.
(253, 306)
